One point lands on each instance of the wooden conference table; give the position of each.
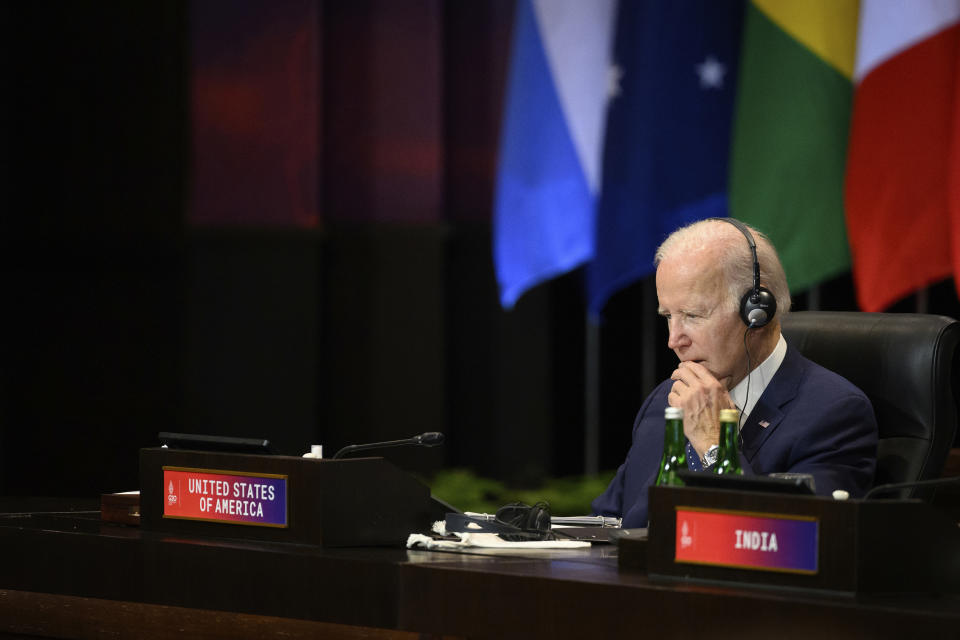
(65, 573)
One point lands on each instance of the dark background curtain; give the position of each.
(273, 220)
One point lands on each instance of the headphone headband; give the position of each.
(758, 305)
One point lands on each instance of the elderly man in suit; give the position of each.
(721, 289)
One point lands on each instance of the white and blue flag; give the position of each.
(551, 142)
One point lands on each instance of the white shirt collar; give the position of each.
(759, 379)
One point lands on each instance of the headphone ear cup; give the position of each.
(757, 307)
(519, 522)
(538, 518)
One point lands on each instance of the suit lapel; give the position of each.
(767, 414)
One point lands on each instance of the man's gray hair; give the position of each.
(735, 259)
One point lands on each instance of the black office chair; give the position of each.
(904, 362)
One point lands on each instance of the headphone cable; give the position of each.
(746, 400)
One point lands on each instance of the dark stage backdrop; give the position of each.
(272, 219)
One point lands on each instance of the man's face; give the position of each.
(703, 327)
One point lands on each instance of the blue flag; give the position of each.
(550, 147)
(668, 132)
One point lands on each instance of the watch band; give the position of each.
(710, 456)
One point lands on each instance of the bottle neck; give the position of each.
(673, 439)
(729, 432)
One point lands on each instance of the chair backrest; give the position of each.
(904, 362)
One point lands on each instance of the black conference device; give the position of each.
(762, 484)
(200, 442)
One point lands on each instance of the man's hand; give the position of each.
(701, 396)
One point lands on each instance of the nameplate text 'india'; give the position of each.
(746, 540)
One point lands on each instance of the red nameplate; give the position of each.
(747, 540)
(233, 497)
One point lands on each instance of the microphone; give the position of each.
(428, 439)
(887, 488)
(757, 316)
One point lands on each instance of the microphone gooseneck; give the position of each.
(428, 439)
(887, 488)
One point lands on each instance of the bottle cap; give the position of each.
(729, 415)
(673, 413)
(316, 452)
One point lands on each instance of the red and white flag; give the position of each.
(903, 165)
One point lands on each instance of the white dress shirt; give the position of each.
(759, 378)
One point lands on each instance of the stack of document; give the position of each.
(487, 541)
(562, 521)
(585, 521)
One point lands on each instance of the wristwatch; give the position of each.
(710, 457)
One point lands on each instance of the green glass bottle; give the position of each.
(674, 448)
(728, 458)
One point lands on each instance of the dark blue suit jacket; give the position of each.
(816, 421)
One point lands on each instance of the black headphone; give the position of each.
(758, 305)
(515, 522)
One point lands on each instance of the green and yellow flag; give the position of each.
(790, 131)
